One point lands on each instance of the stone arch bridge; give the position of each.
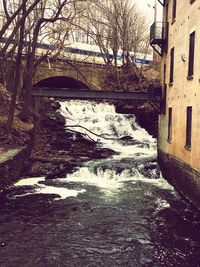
(82, 74)
(91, 76)
(65, 79)
(70, 75)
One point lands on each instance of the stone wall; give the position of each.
(12, 163)
(91, 76)
(182, 176)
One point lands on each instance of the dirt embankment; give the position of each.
(20, 133)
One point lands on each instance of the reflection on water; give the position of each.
(117, 211)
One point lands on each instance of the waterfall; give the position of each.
(135, 157)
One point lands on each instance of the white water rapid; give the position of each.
(135, 149)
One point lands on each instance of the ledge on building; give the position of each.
(190, 77)
(173, 21)
(187, 147)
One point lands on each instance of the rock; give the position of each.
(126, 138)
(61, 171)
(55, 105)
(52, 118)
(145, 113)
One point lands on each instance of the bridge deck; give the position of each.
(91, 94)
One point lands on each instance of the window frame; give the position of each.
(171, 76)
(188, 139)
(191, 56)
(174, 6)
(169, 135)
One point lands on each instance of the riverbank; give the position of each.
(21, 131)
(16, 144)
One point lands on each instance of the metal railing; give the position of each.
(162, 2)
(158, 33)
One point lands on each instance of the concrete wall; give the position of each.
(182, 176)
(183, 92)
(12, 163)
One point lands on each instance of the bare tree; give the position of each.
(49, 13)
(25, 24)
(18, 70)
(117, 27)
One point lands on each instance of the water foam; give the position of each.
(108, 181)
(40, 188)
(101, 119)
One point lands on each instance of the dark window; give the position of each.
(165, 68)
(189, 127)
(191, 55)
(171, 78)
(166, 12)
(174, 10)
(164, 92)
(170, 125)
(163, 102)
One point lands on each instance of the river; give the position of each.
(117, 211)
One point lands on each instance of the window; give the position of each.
(169, 125)
(166, 12)
(164, 92)
(171, 78)
(164, 73)
(164, 100)
(191, 55)
(189, 128)
(174, 10)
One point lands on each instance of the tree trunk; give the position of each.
(116, 69)
(29, 74)
(17, 75)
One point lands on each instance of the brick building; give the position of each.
(177, 40)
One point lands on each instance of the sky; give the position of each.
(147, 6)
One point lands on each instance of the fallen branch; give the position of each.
(84, 134)
(98, 135)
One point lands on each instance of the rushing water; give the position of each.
(117, 211)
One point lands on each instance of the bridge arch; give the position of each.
(61, 82)
(92, 77)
